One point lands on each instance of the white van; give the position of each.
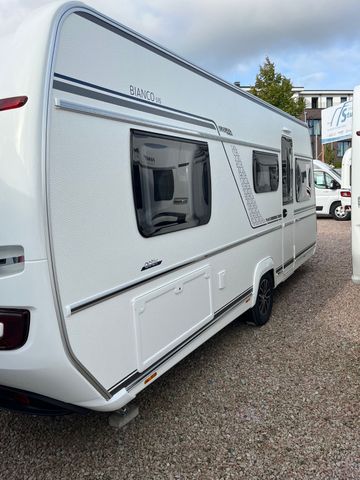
(145, 203)
(328, 192)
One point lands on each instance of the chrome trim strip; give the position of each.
(132, 98)
(103, 296)
(109, 114)
(135, 378)
(131, 105)
(304, 209)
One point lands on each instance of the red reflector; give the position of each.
(14, 328)
(22, 399)
(13, 102)
(345, 194)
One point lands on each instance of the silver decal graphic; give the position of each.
(246, 192)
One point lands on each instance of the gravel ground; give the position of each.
(279, 402)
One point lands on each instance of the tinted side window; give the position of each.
(287, 170)
(171, 183)
(265, 172)
(302, 179)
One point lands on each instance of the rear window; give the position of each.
(171, 183)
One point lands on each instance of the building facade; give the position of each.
(316, 101)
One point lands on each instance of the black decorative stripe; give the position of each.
(288, 263)
(274, 218)
(133, 379)
(305, 209)
(305, 250)
(117, 292)
(84, 92)
(133, 98)
(279, 269)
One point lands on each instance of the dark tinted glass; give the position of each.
(266, 172)
(171, 183)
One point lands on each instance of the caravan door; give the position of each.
(287, 168)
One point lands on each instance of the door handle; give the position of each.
(284, 213)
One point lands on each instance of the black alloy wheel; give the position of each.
(261, 311)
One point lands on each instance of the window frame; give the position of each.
(269, 154)
(314, 102)
(299, 159)
(138, 194)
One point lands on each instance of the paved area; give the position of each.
(279, 402)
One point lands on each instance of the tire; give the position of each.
(338, 213)
(261, 311)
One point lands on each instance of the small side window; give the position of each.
(319, 179)
(302, 179)
(171, 183)
(265, 172)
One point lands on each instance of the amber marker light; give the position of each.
(148, 379)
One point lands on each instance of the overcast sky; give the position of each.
(316, 43)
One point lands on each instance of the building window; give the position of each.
(343, 99)
(265, 172)
(314, 126)
(302, 179)
(314, 102)
(341, 147)
(329, 102)
(171, 183)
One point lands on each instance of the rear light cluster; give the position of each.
(14, 328)
(345, 194)
(12, 102)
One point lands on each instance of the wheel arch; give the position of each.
(265, 265)
(333, 205)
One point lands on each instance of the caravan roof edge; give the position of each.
(107, 22)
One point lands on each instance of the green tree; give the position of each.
(275, 88)
(329, 154)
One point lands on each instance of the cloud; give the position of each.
(232, 37)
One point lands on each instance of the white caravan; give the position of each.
(145, 205)
(345, 192)
(328, 192)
